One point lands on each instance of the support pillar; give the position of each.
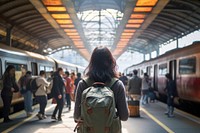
(177, 43)
(149, 55)
(8, 36)
(143, 56)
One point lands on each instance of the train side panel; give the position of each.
(188, 79)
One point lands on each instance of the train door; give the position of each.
(155, 77)
(34, 68)
(172, 69)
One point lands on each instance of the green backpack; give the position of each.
(98, 109)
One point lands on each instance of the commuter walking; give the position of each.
(101, 73)
(27, 94)
(134, 85)
(171, 91)
(78, 78)
(68, 89)
(58, 93)
(124, 79)
(145, 88)
(41, 94)
(9, 87)
(72, 77)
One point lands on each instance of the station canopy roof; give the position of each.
(47, 26)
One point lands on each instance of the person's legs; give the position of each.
(60, 106)
(42, 100)
(67, 96)
(29, 102)
(171, 107)
(25, 95)
(6, 107)
(39, 101)
(55, 110)
(43, 105)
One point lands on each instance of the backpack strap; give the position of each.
(110, 84)
(88, 82)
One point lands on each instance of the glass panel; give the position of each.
(42, 68)
(163, 69)
(187, 66)
(20, 69)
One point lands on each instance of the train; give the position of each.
(29, 61)
(184, 66)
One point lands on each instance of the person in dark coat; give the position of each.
(124, 79)
(58, 93)
(135, 84)
(9, 87)
(171, 91)
(77, 81)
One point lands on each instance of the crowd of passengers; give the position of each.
(65, 87)
(62, 90)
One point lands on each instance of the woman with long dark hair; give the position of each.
(102, 68)
(9, 86)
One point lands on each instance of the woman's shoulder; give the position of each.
(119, 85)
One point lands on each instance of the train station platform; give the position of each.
(152, 120)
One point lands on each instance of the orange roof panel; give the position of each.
(60, 16)
(137, 16)
(136, 21)
(52, 2)
(56, 9)
(142, 9)
(146, 2)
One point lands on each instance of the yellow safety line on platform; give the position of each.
(25, 120)
(157, 121)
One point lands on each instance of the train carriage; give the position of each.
(28, 61)
(184, 66)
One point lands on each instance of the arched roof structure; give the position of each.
(31, 25)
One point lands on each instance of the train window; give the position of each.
(42, 68)
(49, 69)
(150, 71)
(187, 66)
(162, 69)
(143, 71)
(19, 69)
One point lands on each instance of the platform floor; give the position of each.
(152, 120)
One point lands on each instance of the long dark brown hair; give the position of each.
(6, 73)
(102, 66)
